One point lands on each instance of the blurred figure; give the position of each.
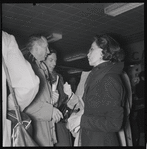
(139, 105)
(133, 73)
(56, 80)
(104, 94)
(23, 79)
(42, 112)
(140, 85)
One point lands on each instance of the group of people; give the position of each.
(100, 95)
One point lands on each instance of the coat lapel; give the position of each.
(95, 76)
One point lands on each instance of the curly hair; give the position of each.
(52, 50)
(111, 48)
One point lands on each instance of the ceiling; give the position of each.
(77, 22)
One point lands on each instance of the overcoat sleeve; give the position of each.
(111, 117)
(44, 111)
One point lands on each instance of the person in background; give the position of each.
(42, 112)
(23, 80)
(139, 105)
(140, 85)
(56, 80)
(104, 94)
(133, 73)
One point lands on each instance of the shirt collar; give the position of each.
(100, 66)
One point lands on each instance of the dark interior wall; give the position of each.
(20, 38)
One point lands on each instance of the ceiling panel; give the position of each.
(38, 8)
(105, 19)
(23, 5)
(67, 22)
(63, 15)
(25, 18)
(48, 5)
(31, 13)
(38, 20)
(54, 19)
(49, 23)
(18, 10)
(7, 15)
(74, 18)
(7, 7)
(59, 7)
(71, 10)
(83, 14)
(51, 11)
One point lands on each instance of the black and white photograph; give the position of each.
(73, 74)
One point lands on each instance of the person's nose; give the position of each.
(88, 54)
(47, 51)
(54, 64)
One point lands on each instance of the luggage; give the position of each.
(21, 124)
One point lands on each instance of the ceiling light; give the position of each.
(75, 57)
(54, 37)
(119, 8)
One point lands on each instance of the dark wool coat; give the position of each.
(62, 133)
(103, 99)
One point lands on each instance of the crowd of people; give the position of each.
(100, 97)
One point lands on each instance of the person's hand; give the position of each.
(74, 122)
(55, 97)
(57, 115)
(67, 89)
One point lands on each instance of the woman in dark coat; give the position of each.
(104, 94)
(62, 133)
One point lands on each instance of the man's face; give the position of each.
(42, 49)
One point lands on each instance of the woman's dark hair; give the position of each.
(111, 48)
(53, 75)
(52, 50)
